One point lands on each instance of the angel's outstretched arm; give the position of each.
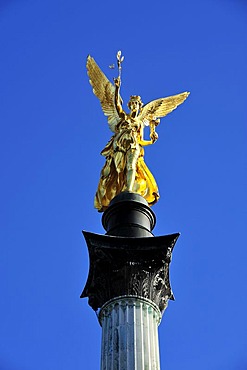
(118, 100)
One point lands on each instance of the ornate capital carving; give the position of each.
(129, 266)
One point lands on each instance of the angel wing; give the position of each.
(161, 107)
(105, 91)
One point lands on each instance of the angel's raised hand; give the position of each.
(117, 82)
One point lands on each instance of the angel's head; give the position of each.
(135, 104)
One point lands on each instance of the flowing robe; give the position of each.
(124, 153)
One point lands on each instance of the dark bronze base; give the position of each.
(129, 215)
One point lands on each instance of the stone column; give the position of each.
(130, 334)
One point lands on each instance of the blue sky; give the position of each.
(52, 131)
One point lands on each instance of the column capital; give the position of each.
(121, 266)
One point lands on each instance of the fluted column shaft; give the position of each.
(130, 334)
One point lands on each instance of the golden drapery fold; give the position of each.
(113, 177)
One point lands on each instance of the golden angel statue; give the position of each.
(125, 169)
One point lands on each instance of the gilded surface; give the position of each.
(125, 169)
